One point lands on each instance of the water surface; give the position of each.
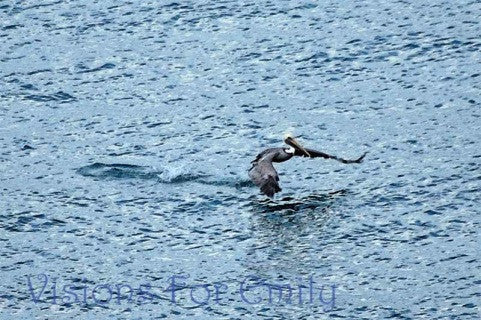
(127, 128)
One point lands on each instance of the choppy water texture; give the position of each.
(127, 128)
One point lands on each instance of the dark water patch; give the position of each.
(60, 96)
(153, 125)
(105, 66)
(243, 183)
(42, 5)
(30, 222)
(139, 200)
(38, 71)
(12, 27)
(28, 87)
(27, 147)
(233, 182)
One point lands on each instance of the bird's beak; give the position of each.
(293, 143)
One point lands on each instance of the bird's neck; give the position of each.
(282, 156)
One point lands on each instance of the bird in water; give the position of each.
(265, 176)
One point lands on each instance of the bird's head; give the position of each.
(289, 140)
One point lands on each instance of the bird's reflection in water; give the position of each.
(291, 204)
(288, 233)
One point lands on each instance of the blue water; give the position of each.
(126, 132)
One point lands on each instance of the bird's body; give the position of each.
(265, 176)
(263, 173)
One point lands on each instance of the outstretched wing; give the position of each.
(319, 154)
(264, 175)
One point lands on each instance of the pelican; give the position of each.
(263, 173)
